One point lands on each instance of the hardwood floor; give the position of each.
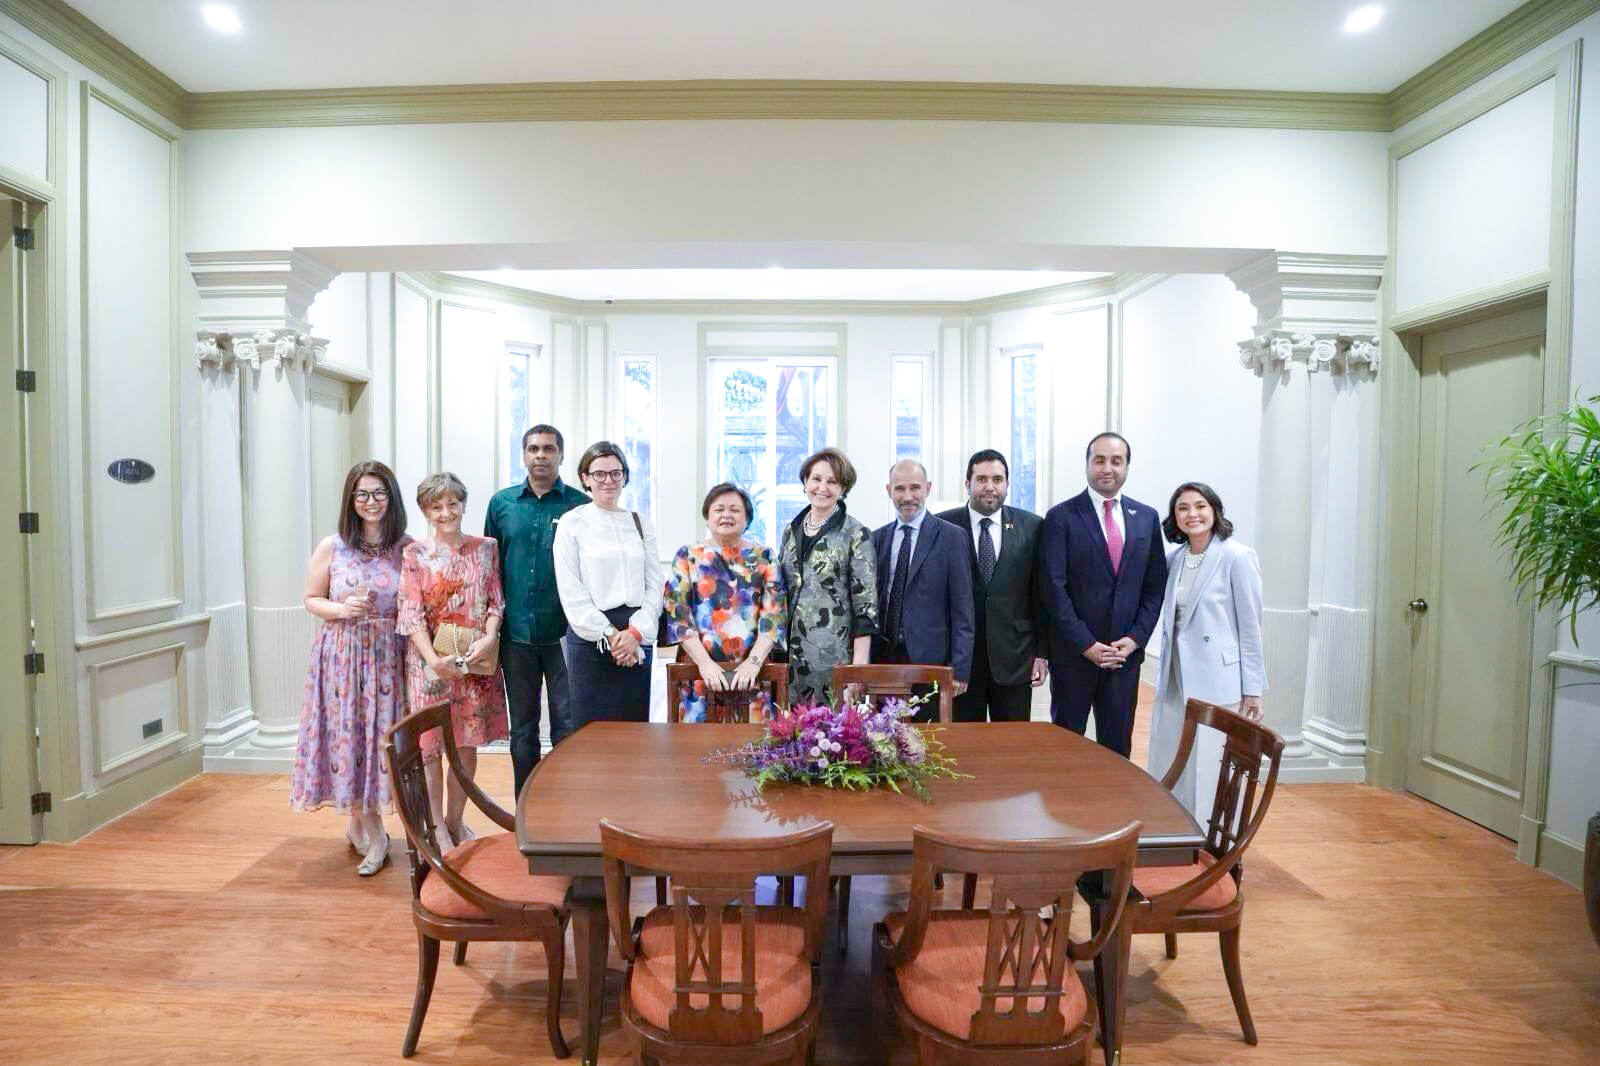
(217, 925)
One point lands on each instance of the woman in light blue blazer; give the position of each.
(1210, 638)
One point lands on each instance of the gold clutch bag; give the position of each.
(455, 641)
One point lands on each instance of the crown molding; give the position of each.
(64, 28)
(1518, 33)
(1102, 288)
(787, 99)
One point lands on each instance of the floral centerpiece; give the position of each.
(852, 746)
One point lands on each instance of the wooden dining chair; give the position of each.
(713, 978)
(1206, 897)
(478, 890)
(997, 987)
(885, 679)
(726, 706)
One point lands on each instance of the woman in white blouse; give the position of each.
(1210, 638)
(609, 577)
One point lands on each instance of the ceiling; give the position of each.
(1215, 44)
(779, 284)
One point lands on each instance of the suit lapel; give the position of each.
(926, 537)
(1208, 568)
(1090, 516)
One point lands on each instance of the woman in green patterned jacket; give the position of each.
(831, 580)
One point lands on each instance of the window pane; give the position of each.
(639, 432)
(907, 409)
(518, 364)
(1024, 431)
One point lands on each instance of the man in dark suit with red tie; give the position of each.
(1105, 575)
(1007, 649)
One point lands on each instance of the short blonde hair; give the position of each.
(436, 485)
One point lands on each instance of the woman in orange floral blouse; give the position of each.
(452, 577)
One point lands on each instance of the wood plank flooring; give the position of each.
(216, 925)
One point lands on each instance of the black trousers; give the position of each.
(602, 691)
(527, 667)
(1077, 686)
(986, 696)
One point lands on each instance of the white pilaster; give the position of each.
(255, 353)
(1315, 315)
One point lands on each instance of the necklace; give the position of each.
(371, 551)
(813, 529)
(1192, 562)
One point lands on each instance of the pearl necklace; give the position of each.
(813, 530)
(1192, 562)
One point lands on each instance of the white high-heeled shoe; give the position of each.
(377, 856)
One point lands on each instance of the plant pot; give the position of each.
(1591, 877)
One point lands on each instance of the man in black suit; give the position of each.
(1105, 575)
(1007, 652)
(924, 582)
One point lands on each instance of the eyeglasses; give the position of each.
(374, 496)
(607, 475)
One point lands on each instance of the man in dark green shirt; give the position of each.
(522, 520)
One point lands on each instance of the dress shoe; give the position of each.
(377, 856)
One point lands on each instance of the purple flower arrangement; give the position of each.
(854, 747)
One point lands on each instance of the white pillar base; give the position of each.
(247, 757)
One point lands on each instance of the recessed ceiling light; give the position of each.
(1363, 19)
(221, 18)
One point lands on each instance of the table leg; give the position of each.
(1111, 977)
(590, 931)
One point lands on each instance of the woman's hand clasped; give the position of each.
(625, 649)
(446, 668)
(1250, 707)
(747, 675)
(481, 656)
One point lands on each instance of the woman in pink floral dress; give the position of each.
(455, 578)
(355, 688)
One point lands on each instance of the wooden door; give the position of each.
(18, 754)
(1470, 697)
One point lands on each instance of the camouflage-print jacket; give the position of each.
(832, 598)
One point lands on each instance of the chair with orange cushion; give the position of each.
(713, 978)
(479, 889)
(998, 986)
(728, 705)
(1205, 897)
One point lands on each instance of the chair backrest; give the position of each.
(885, 679)
(1028, 956)
(726, 706)
(712, 881)
(402, 746)
(1242, 797)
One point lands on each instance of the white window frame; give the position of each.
(620, 362)
(535, 354)
(1009, 355)
(925, 361)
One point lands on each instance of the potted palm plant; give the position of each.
(1546, 476)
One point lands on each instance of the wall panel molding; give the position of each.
(64, 28)
(48, 185)
(104, 759)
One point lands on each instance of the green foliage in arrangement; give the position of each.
(1546, 476)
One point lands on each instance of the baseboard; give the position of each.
(1322, 773)
(1561, 858)
(80, 815)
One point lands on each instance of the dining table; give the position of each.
(1018, 781)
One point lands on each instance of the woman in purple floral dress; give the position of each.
(355, 688)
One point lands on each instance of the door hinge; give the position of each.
(27, 381)
(32, 663)
(40, 802)
(22, 236)
(28, 521)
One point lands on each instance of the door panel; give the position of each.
(330, 452)
(1470, 704)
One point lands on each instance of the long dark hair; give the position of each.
(1221, 528)
(394, 519)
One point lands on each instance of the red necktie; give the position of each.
(1113, 537)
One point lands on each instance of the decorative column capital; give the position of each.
(1278, 351)
(282, 349)
(1320, 311)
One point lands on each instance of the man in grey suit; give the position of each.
(1008, 657)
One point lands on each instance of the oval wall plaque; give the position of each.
(131, 471)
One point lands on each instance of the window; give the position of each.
(764, 416)
(521, 363)
(636, 393)
(910, 406)
(1025, 429)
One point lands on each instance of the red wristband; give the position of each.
(637, 636)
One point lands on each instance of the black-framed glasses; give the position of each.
(373, 495)
(607, 475)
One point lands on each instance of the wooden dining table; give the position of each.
(1021, 781)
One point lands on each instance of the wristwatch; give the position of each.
(609, 631)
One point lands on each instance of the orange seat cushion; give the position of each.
(941, 985)
(495, 865)
(1154, 880)
(783, 973)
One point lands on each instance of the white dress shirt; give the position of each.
(996, 521)
(602, 564)
(1117, 516)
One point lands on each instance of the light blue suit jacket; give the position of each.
(1219, 647)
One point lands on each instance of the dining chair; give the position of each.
(997, 986)
(886, 679)
(726, 706)
(1206, 897)
(711, 977)
(478, 890)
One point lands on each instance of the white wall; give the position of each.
(1574, 786)
(858, 181)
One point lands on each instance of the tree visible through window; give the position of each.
(909, 407)
(638, 409)
(1025, 430)
(520, 360)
